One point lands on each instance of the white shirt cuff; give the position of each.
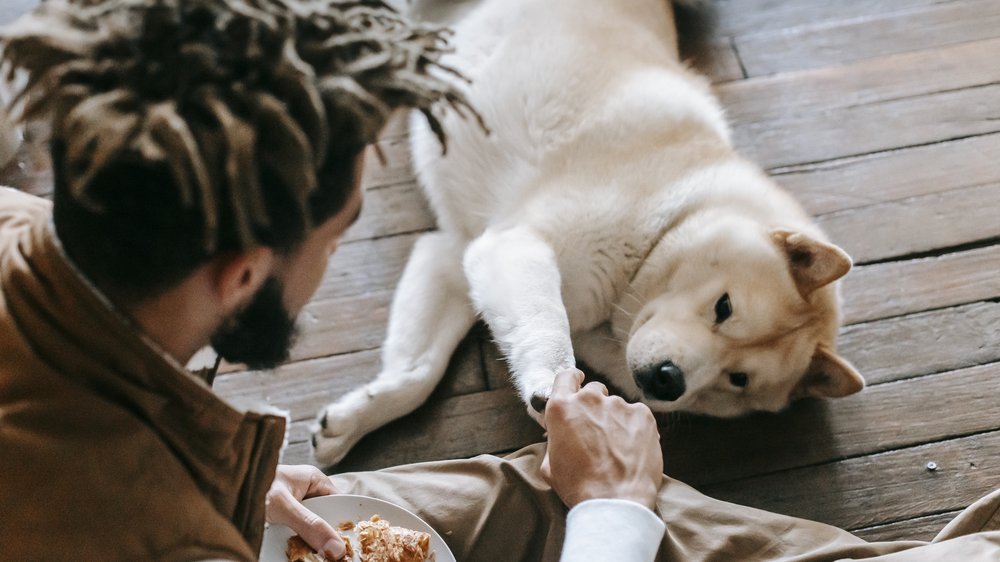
(606, 529)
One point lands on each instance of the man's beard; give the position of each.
(261, 335)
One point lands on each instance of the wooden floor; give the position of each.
(883, 118)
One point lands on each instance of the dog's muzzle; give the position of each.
(662, 382)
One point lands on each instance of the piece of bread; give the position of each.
(380, 542)
(298, 551)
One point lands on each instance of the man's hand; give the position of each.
(600, 446)
(291, 485)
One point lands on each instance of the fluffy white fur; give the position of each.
(605, 217)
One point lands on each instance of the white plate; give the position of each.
(339, 508)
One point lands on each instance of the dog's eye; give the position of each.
(723, 309)
(739, 379)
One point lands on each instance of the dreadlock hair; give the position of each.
(184, 129)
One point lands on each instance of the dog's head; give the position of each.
(739, 318)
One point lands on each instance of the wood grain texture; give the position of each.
(743, 17)
(366, 265)
(865, 82)
(836, 42)
(390, 210)
(898, 174)
(343, 325)
(915, 225)
(13, 9)
(394, 146)
(924, 409)
(455, 427)
(918, 528)
(301, 388)
(925, 342)
(877, 488)
(863, 129)
(901, 287)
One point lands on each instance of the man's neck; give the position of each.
(179, 320)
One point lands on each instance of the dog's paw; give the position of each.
(537, 400)
(337, 430)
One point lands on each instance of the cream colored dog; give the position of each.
(608, 217)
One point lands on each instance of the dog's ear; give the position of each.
(828, 376)
(813, 263)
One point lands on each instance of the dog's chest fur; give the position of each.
(580, 157)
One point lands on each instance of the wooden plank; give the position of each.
(343, 325)
(363, 266)
(928, 342)
(704, 451)
(464, 376)
(13, 9)
(390, 210)
(743, 17)
(397, 167)
(826, 43)
(895, 288)
(397, 125)
(497, 373)
(456, 427)
(898, 174)
(300, 388)
(303, 387)
(918, 224)
(866, 82)
(298, 453)
(337, 325)
(863, 129)
(446, 12)
(919, 528)
(878, 488)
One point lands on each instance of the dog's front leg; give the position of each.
(515, 284)
(430, 315)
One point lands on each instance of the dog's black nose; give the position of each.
(662, 382)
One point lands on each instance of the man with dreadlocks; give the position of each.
(207, 157)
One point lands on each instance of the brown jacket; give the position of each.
(109, 450)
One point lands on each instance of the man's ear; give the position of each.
(813, 263)
(238, 277)
(828, 376)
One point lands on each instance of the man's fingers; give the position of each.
(312, 528)
(567, 383)
(320, 485)
(598, 387)
(545, 470)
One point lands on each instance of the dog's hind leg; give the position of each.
(515, 284)
(430, 315)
